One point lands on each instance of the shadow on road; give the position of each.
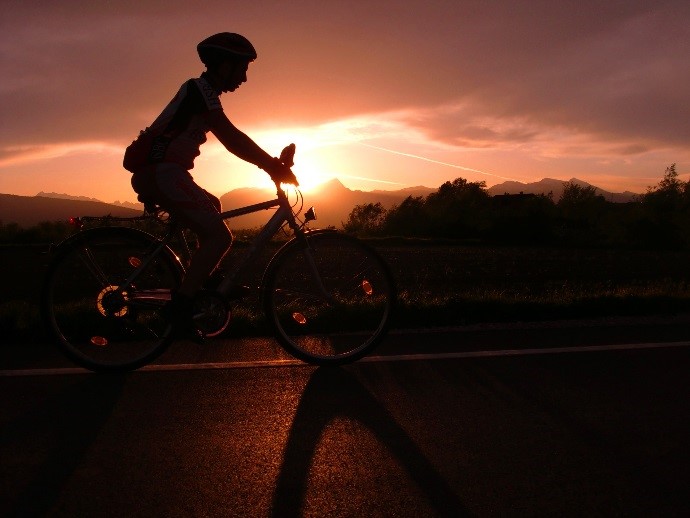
(65, 425)
(336, 393)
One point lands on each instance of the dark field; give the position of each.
(448, 285)
(461, 285)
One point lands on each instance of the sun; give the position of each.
(311, 165)
(310, 173)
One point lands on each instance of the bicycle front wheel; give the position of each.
(99, 321)
(329, 298)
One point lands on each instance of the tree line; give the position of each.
(465, 211)
(44, 232)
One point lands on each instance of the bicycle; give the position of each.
(328, 297)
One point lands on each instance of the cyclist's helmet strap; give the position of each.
(223, 46)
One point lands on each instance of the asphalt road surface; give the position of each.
(582, 419)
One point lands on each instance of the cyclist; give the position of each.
(161, 157)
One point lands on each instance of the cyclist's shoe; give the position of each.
(179, 312)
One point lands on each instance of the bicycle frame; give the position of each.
(130, 273)
(280, 217)
(283, 215)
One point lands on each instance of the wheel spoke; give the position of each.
(329, 302)
(96, 322)
(87, 257)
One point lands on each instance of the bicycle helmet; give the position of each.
(223, 46)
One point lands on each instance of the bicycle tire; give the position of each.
(96, 324)
(347, 321)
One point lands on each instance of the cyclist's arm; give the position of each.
(238, 143)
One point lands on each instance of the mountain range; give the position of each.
(129, 204)
(332, 200)
(28, 211)
(555, 188)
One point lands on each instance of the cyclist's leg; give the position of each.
(198, 210)
(172, 187)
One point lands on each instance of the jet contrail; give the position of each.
(435, 161)
(368, 179)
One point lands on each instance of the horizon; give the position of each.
(312, 190)
(449, 90)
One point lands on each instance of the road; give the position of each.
(581, 419)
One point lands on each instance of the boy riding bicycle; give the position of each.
(161, 157)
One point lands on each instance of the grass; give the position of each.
(448, 285)
(20, 321)
(458, 285)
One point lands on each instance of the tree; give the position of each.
(581, 204)
(522, 219)
(664, 212)
(365, 219)
(459, 209)
(670, 184)
(575, 195)
(581, 210)
(668, 194)
(408, 219)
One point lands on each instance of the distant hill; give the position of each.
(332, 200)
(65, 196)
(129, 204)
(417, 191)
(28, 211)
(556, 187)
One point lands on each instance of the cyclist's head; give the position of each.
(225, 46)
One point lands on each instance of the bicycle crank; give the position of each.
(211, 313)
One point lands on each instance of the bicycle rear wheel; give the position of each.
(98, 322)
(329, 298)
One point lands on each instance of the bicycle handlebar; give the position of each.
(287, 157)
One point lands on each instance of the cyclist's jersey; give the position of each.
(178, 132)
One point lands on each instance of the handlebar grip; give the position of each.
(287, 155)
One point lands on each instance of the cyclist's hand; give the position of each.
(281, 173)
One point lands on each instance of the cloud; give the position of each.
(557, 78)
(623, 80)
(21, 154)
(466, 126)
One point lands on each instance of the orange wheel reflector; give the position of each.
(367, 287)
(135, 262)
(299, 318)
(100, 341)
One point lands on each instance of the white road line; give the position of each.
(526, 352)
(369, 359)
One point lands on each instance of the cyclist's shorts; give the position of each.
(173, 188)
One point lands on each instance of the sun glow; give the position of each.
(311, 174)
(312, 166)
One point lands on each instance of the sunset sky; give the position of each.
(380, 94)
